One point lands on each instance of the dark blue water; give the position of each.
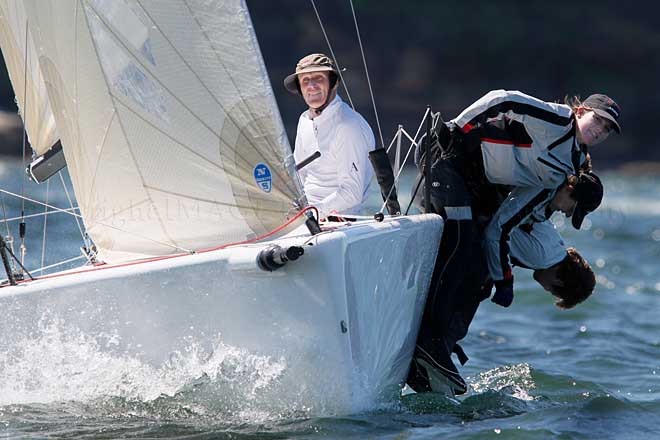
(535, 372)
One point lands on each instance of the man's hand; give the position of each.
(503, 292)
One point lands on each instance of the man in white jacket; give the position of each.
(338, 181)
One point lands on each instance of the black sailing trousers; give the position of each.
(460, 276)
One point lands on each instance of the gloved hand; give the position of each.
(503, 292)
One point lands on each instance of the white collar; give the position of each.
(327, 112)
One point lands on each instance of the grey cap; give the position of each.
(605, 107)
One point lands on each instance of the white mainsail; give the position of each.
(170, 129)
(18, 51)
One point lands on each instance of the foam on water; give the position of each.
(516, 380)
(602, 383)
(61, 364)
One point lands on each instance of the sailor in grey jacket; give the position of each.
(532, 146)
(525, 207)
(525, 141)
(560, 271)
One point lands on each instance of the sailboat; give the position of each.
(185, 181)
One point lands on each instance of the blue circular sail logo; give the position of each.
(263, 177)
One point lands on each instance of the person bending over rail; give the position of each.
(505, 140)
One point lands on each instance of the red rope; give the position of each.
(103, 266)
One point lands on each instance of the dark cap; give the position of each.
(316, 62)
(588, 192)
(605, 107)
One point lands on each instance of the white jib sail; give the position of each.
(169, 125)
(18, 51)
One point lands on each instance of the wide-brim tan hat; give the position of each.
(316, 62)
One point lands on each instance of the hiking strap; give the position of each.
(460, 353)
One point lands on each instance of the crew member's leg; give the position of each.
(433, 369)
(476, 287)
(477, 284)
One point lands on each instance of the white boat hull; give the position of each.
(340, 323)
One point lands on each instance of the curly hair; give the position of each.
(578, 280)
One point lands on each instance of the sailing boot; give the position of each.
(439, 370)
(418, 378)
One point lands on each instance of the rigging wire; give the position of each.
(413, 139)
(413, 143)
(70, 260)
(41, 214)
(9, 240)
(55, 208)
(332, 53)
(27, 199)
(43, 240)
(4, 214)
(364, 61)
(25, 271)
(83, 235)
(25, 71)
(366, 71)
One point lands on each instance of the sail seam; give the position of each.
(211, 95)
(201, 199)
(67, 211)
(231, 78)
(130, 147)
(98, 160)
(116, 213)
(229, 172)
(144, 184)
(120, 100)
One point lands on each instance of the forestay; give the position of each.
(169, 125)
(31, 97)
